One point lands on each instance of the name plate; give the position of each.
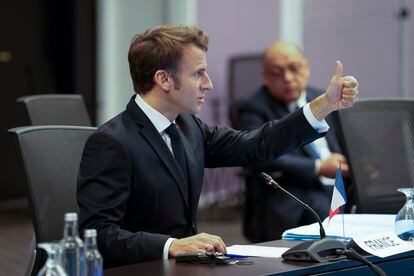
(383, 244)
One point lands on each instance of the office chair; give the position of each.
(245, 77)
(50, 158)
(56, 109)
(379, 143)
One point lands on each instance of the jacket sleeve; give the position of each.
(103, 190)
(293, 165)
(225, 147)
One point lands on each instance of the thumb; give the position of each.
(338, 70)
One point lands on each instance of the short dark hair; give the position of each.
(161, 48)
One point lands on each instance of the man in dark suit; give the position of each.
(140, 176)
(308, 172)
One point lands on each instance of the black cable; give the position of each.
(352, 254)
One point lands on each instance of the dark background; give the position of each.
(46, 46)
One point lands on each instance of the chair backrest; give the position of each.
(245, 78)
(50, 158)
(56, 109)
(245, 75)
(379, 144)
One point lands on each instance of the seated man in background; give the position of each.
(141, 172)
(307, 172)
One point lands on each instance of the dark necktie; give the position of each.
(178, 148)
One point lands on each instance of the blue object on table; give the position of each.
(235, 256)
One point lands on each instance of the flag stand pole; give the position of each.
(342, 211)
(343, 222)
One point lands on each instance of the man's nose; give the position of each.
(287, 75)
(207, 83)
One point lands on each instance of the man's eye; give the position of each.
(294, 67)
(198, 74)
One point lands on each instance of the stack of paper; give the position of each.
(344, 227)
(256, 251)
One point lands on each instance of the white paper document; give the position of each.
(256, 251)
(353, 225)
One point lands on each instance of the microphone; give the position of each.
(322, 250)
(269, 180)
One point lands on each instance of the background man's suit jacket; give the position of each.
(269, 212)
(129, 187)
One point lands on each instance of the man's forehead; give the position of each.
(194, 55)
(193, 49)
(282, 60)
(282, 54)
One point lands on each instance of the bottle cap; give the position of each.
(89, 233)
(71, 216)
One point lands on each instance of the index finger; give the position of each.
(349, 82)
(218, 244)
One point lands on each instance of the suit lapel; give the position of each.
(161, 149)
(191, 165)
(275, 107)
(154, 139)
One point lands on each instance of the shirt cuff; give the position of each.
(317, 166)
(166, 250)
(319, 126)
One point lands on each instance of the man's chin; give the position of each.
(292, 96)
(197, 109)
(192, 112)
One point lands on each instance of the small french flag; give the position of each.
(338, 195)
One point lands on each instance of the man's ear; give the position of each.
(265, 77)
(163, 80)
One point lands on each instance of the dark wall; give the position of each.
(46, 46)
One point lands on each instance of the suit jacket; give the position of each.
(129, 185)
(269, 212)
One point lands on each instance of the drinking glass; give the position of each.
(404, 221)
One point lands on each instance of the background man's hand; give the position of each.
(329, 166)
(200, 243)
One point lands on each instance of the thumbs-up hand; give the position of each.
(342, 92)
